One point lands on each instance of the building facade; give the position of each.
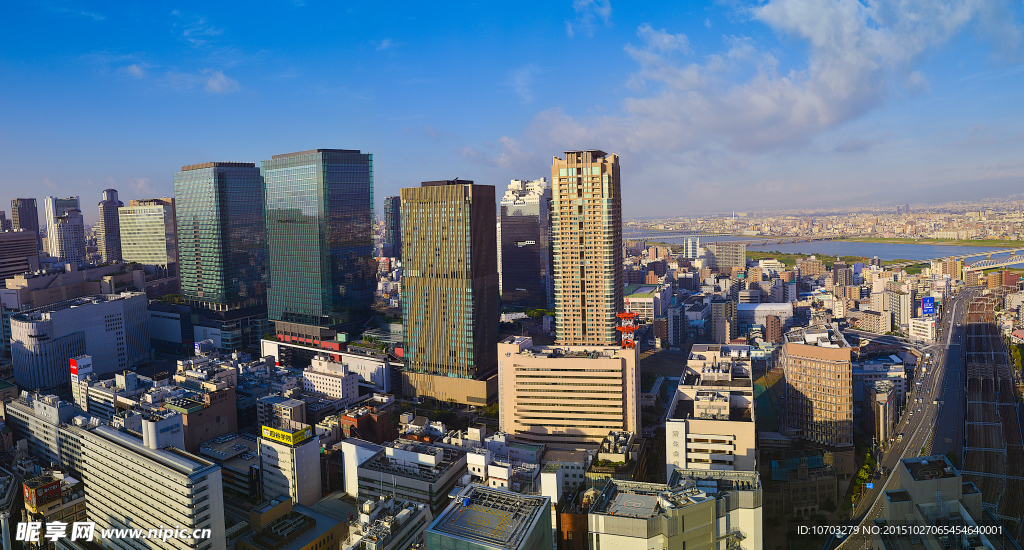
(112, 328)
(19, 253)
(25, 215)
(450, 283)
(567, 397)
(66, 238)
(221, 234)
(393, 226)
(819, 389)
(586, 247)
(725, 256)
(526, 277)
(319, 229)
(290, 461)
(149, 233)
(108, 231)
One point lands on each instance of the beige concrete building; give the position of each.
(710, 422)
(587, 247)
(819, 390)
(567, 397)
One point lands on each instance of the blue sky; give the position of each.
(712, 106)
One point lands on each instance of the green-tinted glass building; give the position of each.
(221, 243)
(321, 268)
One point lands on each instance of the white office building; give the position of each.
(65, 234)
(710, 423)
(290, 461)
(331, 379)
(141, 483)
(112, 328)
(923, 329)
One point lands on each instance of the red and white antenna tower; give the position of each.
(627, 326)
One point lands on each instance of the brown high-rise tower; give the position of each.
(587, 247)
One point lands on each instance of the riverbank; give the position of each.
(946, 242)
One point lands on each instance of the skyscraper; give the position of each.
(25, 215)
(149, 233)
(109, 229)
(587, 247)
(221, 243)
(320, 262)
(393, 225)
(691, 247)
(5, 224)
(66, 237)
(450, 289)
(526, 244)
(726, 255)
(55, 208)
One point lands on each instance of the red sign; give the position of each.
(44, 493)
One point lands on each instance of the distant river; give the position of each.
(884, 251)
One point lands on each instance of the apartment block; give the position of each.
(587, 247)
(290, 461)
(818, 371)
(725, 256)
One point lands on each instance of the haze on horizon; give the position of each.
(713, 106)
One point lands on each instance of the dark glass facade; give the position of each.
(320, 236)
(393, 225)
(221, 237)
(526, 278)
(25, 215)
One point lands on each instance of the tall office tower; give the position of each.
(691, 247)
(393, 225)
(54, 208)
(149, 233)
(66, 236)
(587, 247)
(5, 224)
(221, 238)
(526, 244)
(134, 482)
(109, 229)
(450, 290)
(819, 390)
(320, 264)
(726, 255)
(18, 253)
(25, 215)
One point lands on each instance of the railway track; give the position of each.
(993, 457)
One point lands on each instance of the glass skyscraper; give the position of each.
(526, 245)
(25, 215)
(319, 221)
(221, 243)
(393, 225)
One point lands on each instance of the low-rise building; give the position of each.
(389, 525)
(622, 456)
(710, 422)
(881, 405)
(481, 518)
(282, 525)
(923, 329)
(412, 471)
(931, 492)
(332, 379)
(54, 497)
(239, 459)
(801, 484)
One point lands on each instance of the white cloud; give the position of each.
(588, 12)
(135, 70)
(521, 80)
(195, 29)
(384, 44)
(710, 118)
(218, 83)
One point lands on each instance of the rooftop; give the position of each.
(37, 313)
(826, 336)
(237, 451)
(218, 165)
(634, 499)
(491, 517)
(929, 467)
(414, 460)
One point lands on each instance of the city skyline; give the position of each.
(724, 106)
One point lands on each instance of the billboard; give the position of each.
(37, 496)
(928, 305)
(288, 438)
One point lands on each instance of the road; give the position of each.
(940, 384)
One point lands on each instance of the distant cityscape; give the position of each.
(260, 362)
